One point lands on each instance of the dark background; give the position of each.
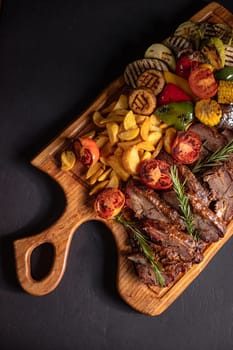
(55, 58)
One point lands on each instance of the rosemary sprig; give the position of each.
(221, 155)
(145, 247)
(183, 202)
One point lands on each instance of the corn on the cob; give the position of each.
(208, 111)
(225, 91)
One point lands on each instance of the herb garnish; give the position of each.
(183, 202)
(145, 247)
(215, 158)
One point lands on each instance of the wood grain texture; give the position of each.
(147, 300)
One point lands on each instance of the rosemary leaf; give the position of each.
(145, 247)
(183, 202)
(221, 155)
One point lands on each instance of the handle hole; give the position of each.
(42, 259)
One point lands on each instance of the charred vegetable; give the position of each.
(177, 114)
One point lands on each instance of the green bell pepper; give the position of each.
(177, 114)
(225, 73)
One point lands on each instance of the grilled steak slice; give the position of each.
(220, 182)
(206, 213)
(146, 274)
(192, 185)
(146, 202)
(182, 245)
(205, 229)
(210, 137)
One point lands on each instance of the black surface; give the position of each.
(55, 58)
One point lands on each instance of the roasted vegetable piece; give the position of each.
(186, 147)
(155, 174)
(152, 79)
(208, 111)
(177, 114)
(162, 52)
(179, 81)
(202, 82)
(172, 93)
(87, 151)
(109, 203)
(225, 73)
(214, 51)
(225, 91)
(184, 66)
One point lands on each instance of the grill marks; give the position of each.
(142, 101)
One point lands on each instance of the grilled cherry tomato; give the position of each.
(202, 82)
(109, 203)
(186, 147)
(155, 174)
(184, 66)
(87, 150)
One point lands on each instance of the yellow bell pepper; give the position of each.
(179, 81)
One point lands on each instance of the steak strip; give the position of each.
(146, 202)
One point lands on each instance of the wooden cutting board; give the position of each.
(147, 300)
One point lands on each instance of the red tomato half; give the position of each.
(184, 66)
(109, 203)
(87, 150)
(155, 174)
(186, 147)
(202, 82)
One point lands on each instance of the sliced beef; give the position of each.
(146, 273)
(210, 137)
(192, 184)
(146, 202)
(183, 246)
(206, 213)
(220, 182)
(206, 230)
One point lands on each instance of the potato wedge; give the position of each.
(145, 128)
(154, 137)
(131, 159)
(112, 129)
(117, 166)
(169, 137)
(158, 148)
(129, 121)
(93, 169)
(101, 140)
(122, 103)
(98, 119)
(114, 181)
(146, 146)
(129, 135)
(98, 187)
(68, 160)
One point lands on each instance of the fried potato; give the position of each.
(129, 121)
(145, 128)
(131, 159)
(93, 169)
(122, 103)
(114, 181)
(117, 166)
(129, 134)
(154, 137)
(112, 129)
(169, 137)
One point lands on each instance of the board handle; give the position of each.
(59, 235)
(23, 252)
